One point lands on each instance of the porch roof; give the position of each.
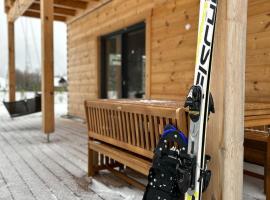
(64, 10)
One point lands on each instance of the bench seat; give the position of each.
(124, 157)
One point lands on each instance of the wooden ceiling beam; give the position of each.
(8, 5)
(37, 15)
(89, 1)
(57, 11)
(18, 8)
(69, 4)
(63, 9)
(92, 6)
(7, 9)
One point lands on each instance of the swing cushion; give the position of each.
(24, 107)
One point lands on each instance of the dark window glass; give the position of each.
(113, 67)
(123, 63)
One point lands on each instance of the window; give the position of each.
(123, 63)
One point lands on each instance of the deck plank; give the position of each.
(59, 165)
(67, 152)
(37, 187)
(46, 176)
(63, 176)
(15, 184)
(43, 162)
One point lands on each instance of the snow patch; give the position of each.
(108, 192)
(188, 27)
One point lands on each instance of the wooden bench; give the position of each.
(257, 140)
(126, 132)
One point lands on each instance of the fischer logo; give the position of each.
(206, 46)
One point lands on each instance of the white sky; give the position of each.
(28, 42)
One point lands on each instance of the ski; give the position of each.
(199, 100)
(179, 170)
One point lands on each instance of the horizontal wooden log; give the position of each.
(37, 15)
(35, 7)
(69, 3)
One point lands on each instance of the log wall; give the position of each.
(172, 45)
(258, 52)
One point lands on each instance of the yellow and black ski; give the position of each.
(179, 170)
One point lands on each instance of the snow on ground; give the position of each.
(253, 187)
(114, 193)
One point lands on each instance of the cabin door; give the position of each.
(123, 63)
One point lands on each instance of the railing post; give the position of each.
(11, 62)
(46, 11)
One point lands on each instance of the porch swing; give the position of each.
(31, 105)
(23, 107)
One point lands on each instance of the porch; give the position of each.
(31, 168)
(163, 70)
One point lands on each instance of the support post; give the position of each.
(225, 136)
(46, 11)
(11, 62)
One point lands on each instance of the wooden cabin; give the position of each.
(146, 49)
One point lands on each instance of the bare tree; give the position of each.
(28, 81)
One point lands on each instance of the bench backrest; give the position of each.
(257, 114)
(135, 126)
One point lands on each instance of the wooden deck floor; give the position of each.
(32, 169)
